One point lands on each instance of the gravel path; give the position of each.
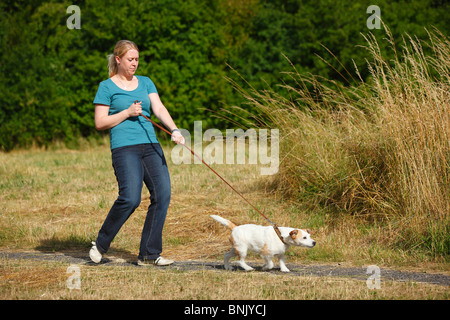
(296, 269)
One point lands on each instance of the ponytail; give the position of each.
(112, 65)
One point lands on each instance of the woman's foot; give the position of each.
(94, 254)
(157, 262)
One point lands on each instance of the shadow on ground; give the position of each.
(78, 249)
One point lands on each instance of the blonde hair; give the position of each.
(121, 48)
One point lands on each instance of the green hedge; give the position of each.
(49, 74)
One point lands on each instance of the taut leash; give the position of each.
(275, 227)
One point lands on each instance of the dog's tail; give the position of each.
(225, 222)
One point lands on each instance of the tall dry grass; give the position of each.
(378, 149)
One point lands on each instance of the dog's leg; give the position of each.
(269, 263)
(282, 261)
(245, 266)
(227, 257)
(242, 252)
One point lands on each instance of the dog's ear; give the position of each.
(293, 234)
(309, 231)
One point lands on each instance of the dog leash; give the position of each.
(274, 225)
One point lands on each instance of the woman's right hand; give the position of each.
(135, 109)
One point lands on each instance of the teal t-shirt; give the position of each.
(134, 130)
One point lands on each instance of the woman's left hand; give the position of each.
(177, 137)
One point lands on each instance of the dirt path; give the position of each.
(296, 270)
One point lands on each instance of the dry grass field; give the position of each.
(365, 167)
(56, 200)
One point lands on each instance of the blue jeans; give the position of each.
(134, 165)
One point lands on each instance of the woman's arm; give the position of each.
(160, 111)
(104, 121)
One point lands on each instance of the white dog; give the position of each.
(263, 240)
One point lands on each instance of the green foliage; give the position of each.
(50, 74)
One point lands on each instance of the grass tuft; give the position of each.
(378, 149)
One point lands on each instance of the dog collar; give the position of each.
(278, 232)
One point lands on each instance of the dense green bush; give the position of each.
(49, 74)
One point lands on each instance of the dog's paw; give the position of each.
(285, 270)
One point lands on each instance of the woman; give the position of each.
(137, 157)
